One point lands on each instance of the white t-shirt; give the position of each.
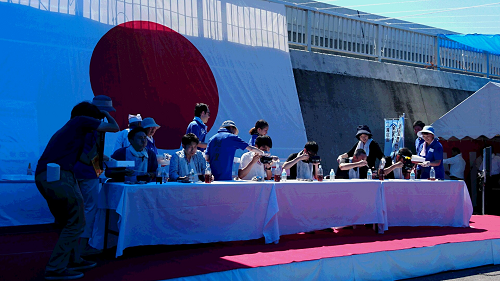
(257, 169)
(457, 165)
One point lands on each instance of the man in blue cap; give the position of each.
(221, 148)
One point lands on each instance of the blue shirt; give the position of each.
(220, 151)
(252, 139)
(434, 152)
(82, 170)
(418, 145)
(66, 145)
(152, 145)
(198, 128)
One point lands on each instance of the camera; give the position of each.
(407, 164)
(314, 159)
(266, 159)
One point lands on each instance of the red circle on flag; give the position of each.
(150, 69)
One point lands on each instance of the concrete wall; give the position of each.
(338, 93)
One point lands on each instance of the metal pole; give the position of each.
(486, 174)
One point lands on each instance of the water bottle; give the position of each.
(283, 175)
(192, 176)
(412, 174)
(29, 172)
(369, 174)
(332, 175)
(320, 173)
(432, 175)
(164, 174)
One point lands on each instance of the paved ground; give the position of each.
(483, 273)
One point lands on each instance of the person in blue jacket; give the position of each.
(221, 148)
(197, 126)
(432, 151)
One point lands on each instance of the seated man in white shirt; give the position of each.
(251, 166)
(457, 165)
(352, 164)
(397, 166)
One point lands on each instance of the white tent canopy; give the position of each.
(478, 115)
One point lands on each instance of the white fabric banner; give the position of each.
(394, 135)
(46, 69)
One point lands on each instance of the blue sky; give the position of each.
(466, 16)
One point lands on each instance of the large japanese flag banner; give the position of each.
(154, 57)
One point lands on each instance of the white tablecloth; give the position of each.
(306, 206)
(177, 213)
(22, 204)
(427, 203)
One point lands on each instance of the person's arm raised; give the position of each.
(110, 126)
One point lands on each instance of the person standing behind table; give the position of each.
(134, 121)
(260, 129)
(197, 126)
(251, 166)
(187, 159)
(432, 151)
(457, 165)
(299, 165)
(144, 159)
(371, 147)
(417, 127)
(88, 177)
(353, 165)
(221, 148)
(63, 196)
(150, 125)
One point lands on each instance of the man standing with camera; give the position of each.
(304, 164)
(255, 165)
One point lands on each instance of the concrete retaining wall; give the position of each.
(337, 93)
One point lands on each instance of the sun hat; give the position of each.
(134, 118)
(149, 122)
(426, 129)
(363, 129)
(228, 123)
(103, 103)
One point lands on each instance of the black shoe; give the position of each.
(81, 265)
(65, 275)
(89, 251)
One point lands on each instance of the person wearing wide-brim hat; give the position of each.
(365, 142)
(150, 125)
(432, 151)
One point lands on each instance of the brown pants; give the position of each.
(66, 205)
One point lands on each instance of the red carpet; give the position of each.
(24, 252)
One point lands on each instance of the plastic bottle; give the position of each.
(320, 173)
(381, 169)
(192, 176)
(164, 173)
(432, 175)
(208, 174)
(412, 174)
(30, 172)
(332, 175)
(369, 174)
(283, 175)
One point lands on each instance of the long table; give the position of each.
(179, 213)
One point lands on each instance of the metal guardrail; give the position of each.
(313, 30)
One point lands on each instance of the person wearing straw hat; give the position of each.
(63, 196)
(221, 148)
(432, 151)
(134, 121)
(87, 171)
(150, 125)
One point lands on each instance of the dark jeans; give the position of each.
(65, 202)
